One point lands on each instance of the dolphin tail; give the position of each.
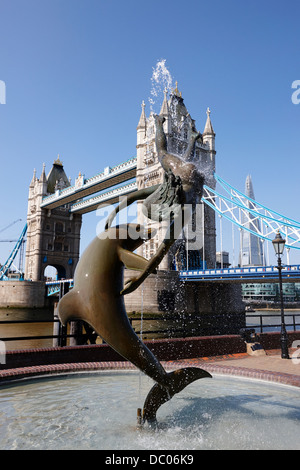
(159, 395)
(70, 308)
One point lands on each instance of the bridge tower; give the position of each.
(53, 236)
(201, 232)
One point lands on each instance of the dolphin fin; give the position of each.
(132, 260)
(137, 195)
(159, 395)
(69, 307)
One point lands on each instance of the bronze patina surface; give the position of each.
(173, 200)
(98, 293)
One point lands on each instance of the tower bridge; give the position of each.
(253, 275)
(107, 197)
(56, 209)
(240, 209)
(110, 177)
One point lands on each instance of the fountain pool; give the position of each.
(98, 411)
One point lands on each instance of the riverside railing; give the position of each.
(60, 339)
(261, 326)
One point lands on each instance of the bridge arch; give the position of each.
(55, 272)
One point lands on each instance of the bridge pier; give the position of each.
(22, 294)
(60, 331)
(214, 308)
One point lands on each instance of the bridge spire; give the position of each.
(208, 126)
(33, 178)
(176, 92)
(58, 161)
(164, 107)
(209, 133)
(43, 178)
(142, 121)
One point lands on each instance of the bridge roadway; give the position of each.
(85, 187)
(257, 274)
(238, 208)
(108, 197)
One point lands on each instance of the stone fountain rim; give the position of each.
(19, 375)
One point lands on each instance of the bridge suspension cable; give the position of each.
(250, 215)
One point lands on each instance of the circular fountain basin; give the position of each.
(98, 411)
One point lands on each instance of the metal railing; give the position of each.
(262, 326)
(82, 338)
(60, 337)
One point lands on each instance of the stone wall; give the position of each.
(158, 293)
(164, 292)
(25, 294)
(208, 308)
(212, 308)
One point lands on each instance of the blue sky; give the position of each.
(76, 72)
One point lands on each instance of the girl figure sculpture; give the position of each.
(172, 200)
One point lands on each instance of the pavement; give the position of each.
(272, 361)
(269, 367)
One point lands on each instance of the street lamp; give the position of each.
(278, 244)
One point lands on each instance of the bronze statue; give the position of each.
(95, 299)
(98, 293)
(184, 177)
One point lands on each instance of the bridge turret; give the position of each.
(165, 112)
(53, 236)
(57, 176)
(32, 183)
(141, 135)
(209, 133)
(177, 125)
(43, 180)
(208, 137)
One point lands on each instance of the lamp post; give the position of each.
(278, 244)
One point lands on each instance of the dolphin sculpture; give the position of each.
(174, 200)
(96, 299)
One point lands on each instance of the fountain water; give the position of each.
(87, 411)
(92, 411)
(161, 81)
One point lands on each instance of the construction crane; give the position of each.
(10, 241)
(18, 246)
(21, 251)
(14, 222)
